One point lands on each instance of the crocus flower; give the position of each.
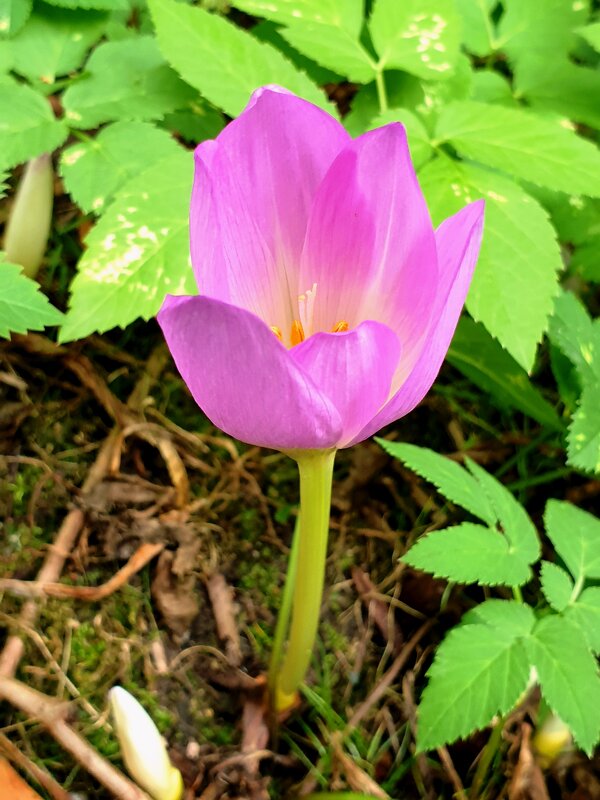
(143, 748)
(326, 301)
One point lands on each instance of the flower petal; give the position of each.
(254, 188)
(458, 240)
(354, 370)
(243, 378)
(370, 245)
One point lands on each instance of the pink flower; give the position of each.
(327, 300)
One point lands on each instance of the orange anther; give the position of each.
(340, 327)
(297, 333)
(277, 332)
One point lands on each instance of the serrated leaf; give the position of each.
(196, 125)
(54, 42)
(469, 553)
(479, 671)
(333, 47)
(94, 170)
(485, 362)
(28, 127)
(514, 618)
(225, 63)
(568, 675)
(514, 520)
(523, 144)
(574, 333)
(585, 614)
(519, 257)
(419, 36)
(125, 80)
(13, 15)
(449, 478)
(22, 306)
(97, 5)
(575, 535)
(591, 33)
(556, 585)
(418, 138)
(137, 253)
(583, 446)
(339, 13)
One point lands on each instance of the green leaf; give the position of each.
(560, 86)
(574, 333)
(22, 306)
(54, 42)
(98, 5)
(477, 26)
(333, 47)
(585, 614)
(584, 432)
(575, 535)
(568, 675)
(523, 144)
(196, 125)
(449, 478)
(223, 61)
(337, 13)
(418, 138)
(419, 36)
(94, 170)
(591, 33)
(137, 253)
(13, 15)
(125, 80)
(510, 616)
(485, 362)
(469, 553)
(519, 256)
(540, 27)
(512, 517)
(491, 87)
(556, 585)
(28, 127)
(479, 671)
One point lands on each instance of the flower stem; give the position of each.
(381, 91)
(316, 474)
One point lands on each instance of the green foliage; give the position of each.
(499, 552)
(137, 253)
(575, 535)
(523, 145)
(22, 306)
(54, 42)
(122, 81)
(485, 362)
(556, 585)
(519, 258)
(28, 127)
(224, 62)
(13, 15)
(95, 169)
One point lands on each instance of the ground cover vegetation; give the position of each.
(461, 617)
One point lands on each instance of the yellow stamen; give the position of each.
(340, 327)
(277, 332)
(297, 333)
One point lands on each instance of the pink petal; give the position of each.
(243, 378)
(253, 191)
(354, 370)
(370, 245)
(458, 240)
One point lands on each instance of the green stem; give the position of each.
(316, 474)
(518, 594)
(283, 618)
(489, 752)
(381, 91)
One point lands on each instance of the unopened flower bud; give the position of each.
(28, 226)
(143, 748)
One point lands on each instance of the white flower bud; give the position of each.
(143, 748)
(28, 226)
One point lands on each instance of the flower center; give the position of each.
(303, 328)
